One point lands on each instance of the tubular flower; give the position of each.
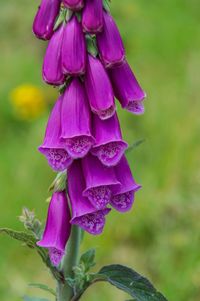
(101, 182)
(45, 18)
(109, 146)
(58, 227)
(127, 89)
(84, 214)
(52, 66)
(92, 16)
(99, 89)
(76, 120)
(74, 4)
(110, 43)
(74, 48)
(53, 148)
(123, 197)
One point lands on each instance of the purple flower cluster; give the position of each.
(83, 134)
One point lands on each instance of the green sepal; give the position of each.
(87, 259)
(59, 183)
(91, 45)
(61, 18)
(106, 5)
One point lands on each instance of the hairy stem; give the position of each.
(64, 291)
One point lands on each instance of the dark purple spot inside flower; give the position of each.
(93, 222)
(78, 147)
(110, 153)
(135, 107)
(123, 202)
(58, 159)
(99, 196)
(55, 256)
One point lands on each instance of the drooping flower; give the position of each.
(92, 16)
(123, 198)
(100, 180)
(84, 214)
(76, 120)
(53, 148)
(45, 18)
(74, 4)
(74, 48)
(58, 227)
(110, 43)
(52, 66)
(109, 146)
(99, 89)
(127, 89)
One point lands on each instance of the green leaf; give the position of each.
(43, 287)
(88, 259)
(131, 282)
(30, 241)
(134, 145)
(27, 298)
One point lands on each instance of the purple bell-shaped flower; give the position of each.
(53, 148)
(58, 227)
(74, 4)
(100, 180)
(43, 24)
(99, 89)
(92, 16)
(110, 43)
(84, 214)
(123, 198)
(127, 89)
(76, 120)
(52, 66)
(73, 48)
(109, 146)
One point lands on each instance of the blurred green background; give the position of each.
(160, 237)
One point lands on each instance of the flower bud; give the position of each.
(92, 16)
(73, 4)
(100, 181)
(99, 89)
(84, 214)
(109, 146)
(52, 66)
(127, 89)
(53, 148)
(74, 48)
(43, 24)
(123, 198)
(76, 120)
(110, 43)
(58, 227)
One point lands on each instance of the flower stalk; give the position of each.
(70, 260)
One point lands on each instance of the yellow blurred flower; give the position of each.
(28, 101)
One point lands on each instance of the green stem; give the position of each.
(64, 291)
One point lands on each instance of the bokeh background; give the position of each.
(160, 237)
